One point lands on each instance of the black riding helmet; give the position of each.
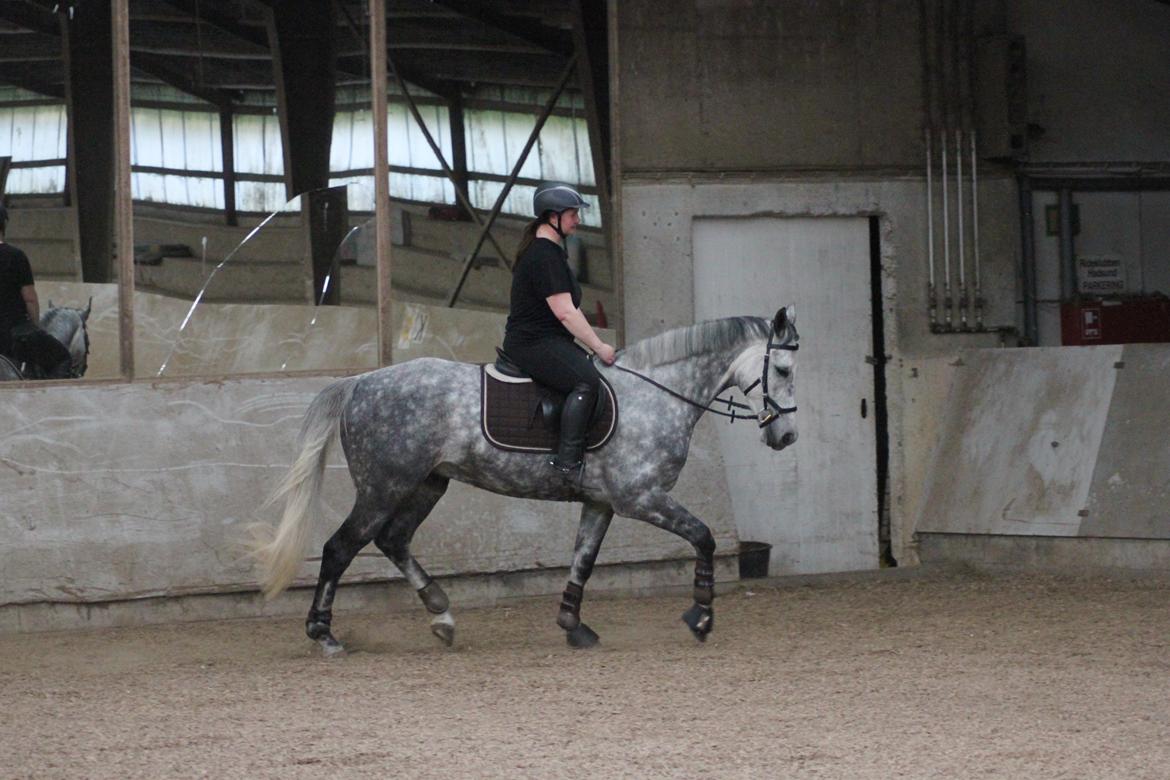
(557, 197)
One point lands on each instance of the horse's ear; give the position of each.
(780, 321)
(88, 309)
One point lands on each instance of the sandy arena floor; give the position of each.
(942, 674)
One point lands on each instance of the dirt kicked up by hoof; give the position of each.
(331, 648)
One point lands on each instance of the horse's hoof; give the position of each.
(444, 632)
(331, 648)
(443, 626)
(582, 637)
(700, 620)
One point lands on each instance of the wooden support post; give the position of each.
(123, 202)
(227, 144)
(589, 39)
(614, 230)
(459, 154)
(304, 65)
(328, 212)
(89, 76)
(378, 103)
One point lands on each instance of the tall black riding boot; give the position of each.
(575, 416)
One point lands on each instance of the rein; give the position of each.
(768, 415)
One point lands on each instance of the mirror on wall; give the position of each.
(252, 179)
(482, 108)
(56, 147)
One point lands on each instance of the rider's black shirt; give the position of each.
(15, 273)
(542, 270)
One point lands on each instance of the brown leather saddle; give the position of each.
(519, 414)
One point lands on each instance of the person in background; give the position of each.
(21, 337)
(545, 316)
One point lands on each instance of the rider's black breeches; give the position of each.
(34, 346)
(556, 362)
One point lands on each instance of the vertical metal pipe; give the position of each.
(1028, 262)
(1068, 269)
(946, 236)
(123, 201)
(960, 244)
(378, 104)
(975, 261)
(931, 297)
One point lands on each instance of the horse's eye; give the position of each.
(784, 373)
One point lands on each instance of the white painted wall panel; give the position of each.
(1020, 442)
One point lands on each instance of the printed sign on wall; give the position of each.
(1100, 275)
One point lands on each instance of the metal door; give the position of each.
(815, 502)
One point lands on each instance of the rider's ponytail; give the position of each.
(529, 235)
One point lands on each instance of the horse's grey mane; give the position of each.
(696, 339)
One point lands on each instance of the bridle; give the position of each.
(771, 410)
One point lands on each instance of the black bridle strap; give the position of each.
(733, 405)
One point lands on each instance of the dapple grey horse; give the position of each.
(69, 326)
(408, 429)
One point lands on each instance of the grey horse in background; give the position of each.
(409, 429)
(70, 327)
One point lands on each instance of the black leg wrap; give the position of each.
(700, 619)
(318, 623)
(569, 617)
(704, 583)
(434, 598)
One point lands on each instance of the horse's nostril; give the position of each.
(788, 438)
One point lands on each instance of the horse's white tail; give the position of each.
(280, 550)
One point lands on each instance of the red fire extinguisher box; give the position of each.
(1129, 320)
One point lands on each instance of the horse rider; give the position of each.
(21, 337)
(545, 316)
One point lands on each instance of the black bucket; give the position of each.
(753, 559)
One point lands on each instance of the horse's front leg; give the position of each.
(590, 533)
(658, 508)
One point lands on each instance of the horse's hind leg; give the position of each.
(658, 508)
(590, 533)
(394, 542)
(355, 533)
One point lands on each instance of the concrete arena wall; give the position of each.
(1040, 451)
(658, 213)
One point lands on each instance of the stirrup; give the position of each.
(567, 470)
